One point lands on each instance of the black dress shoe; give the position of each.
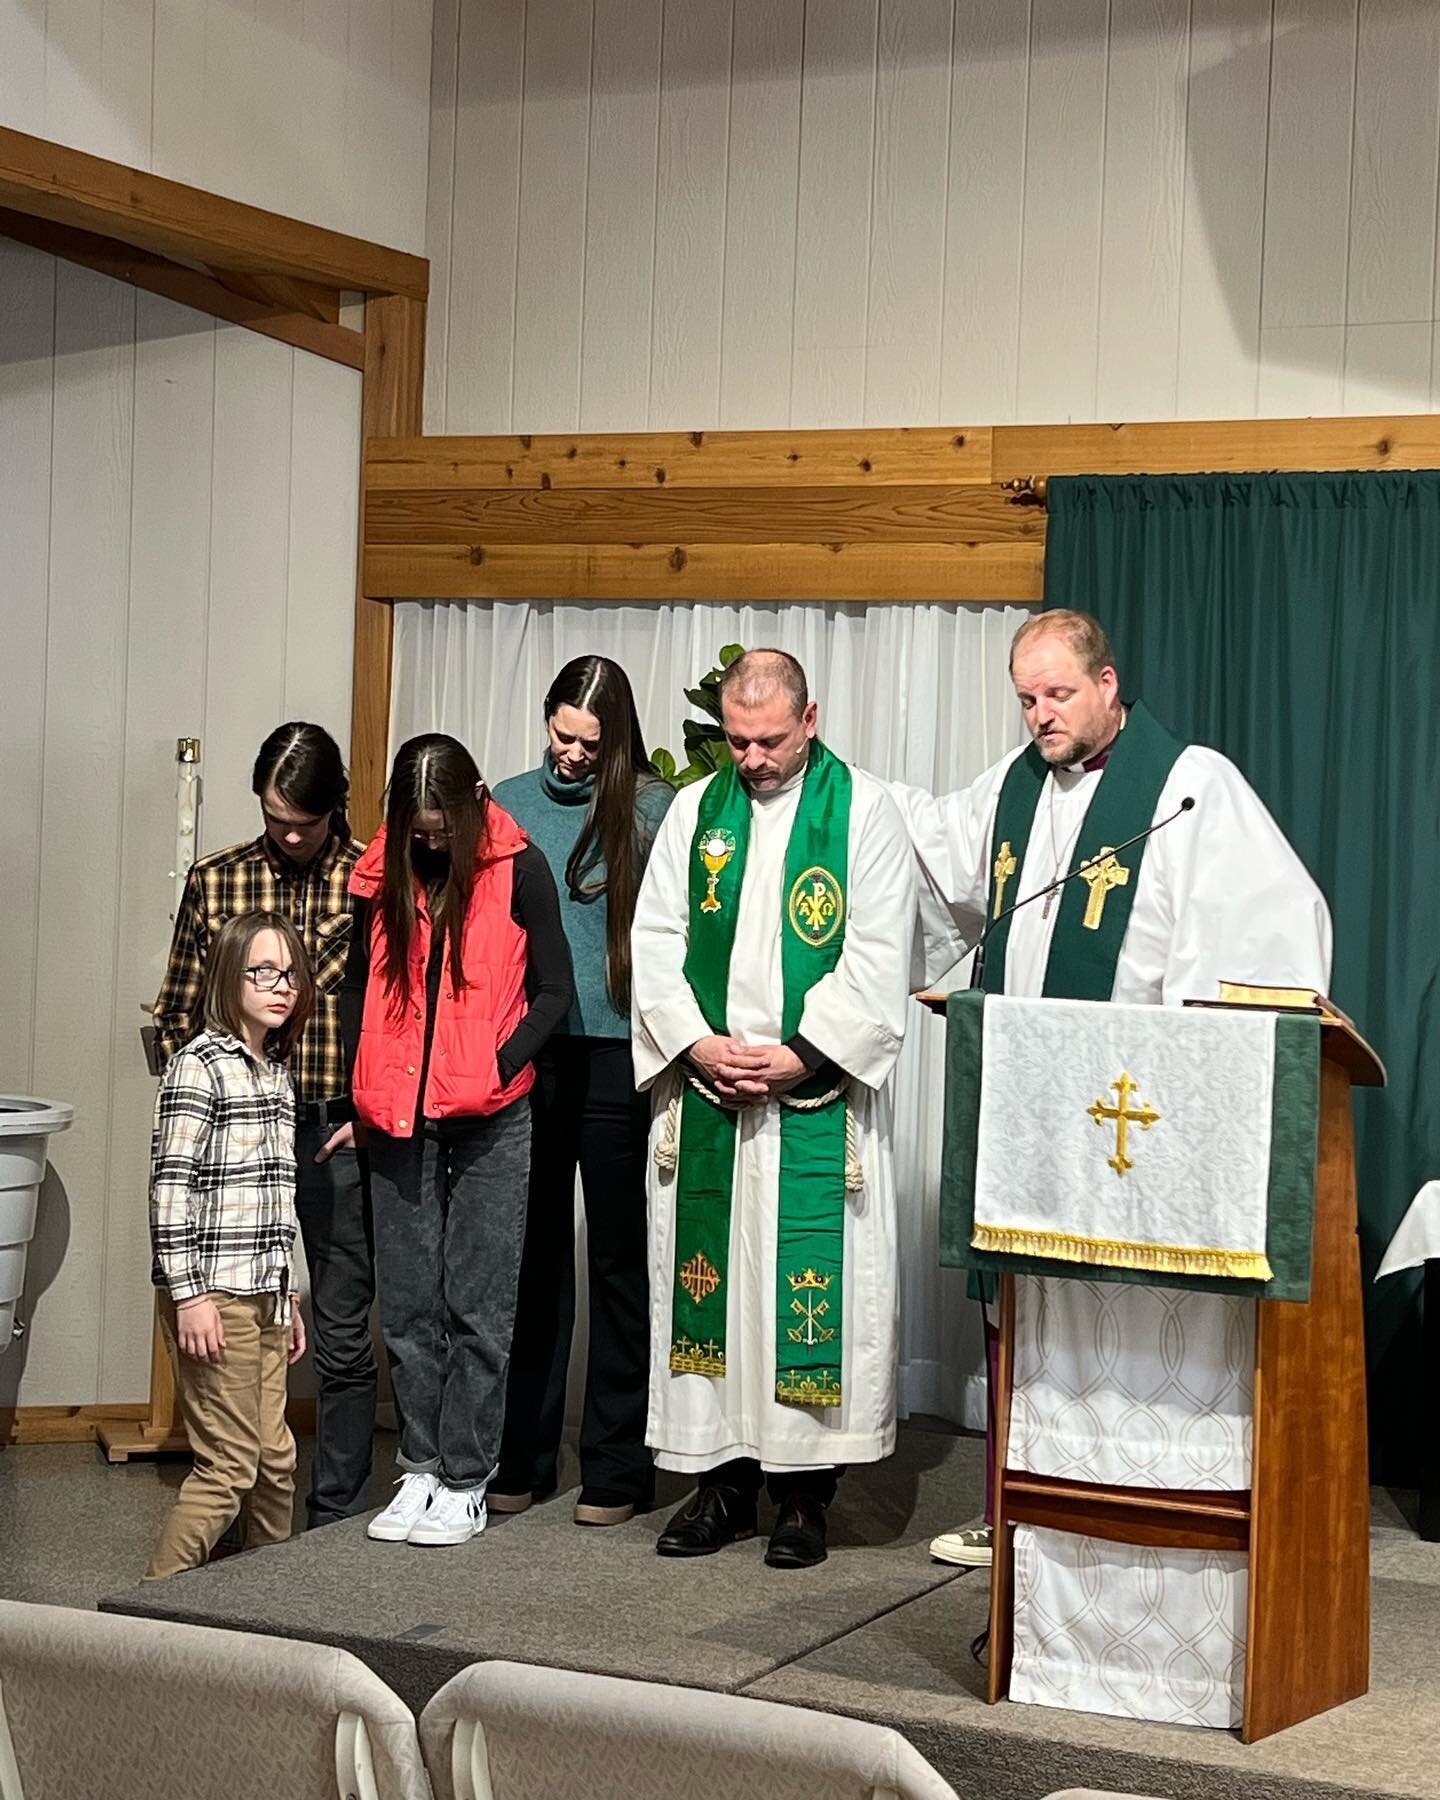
(710, 1519)
(798, 1540)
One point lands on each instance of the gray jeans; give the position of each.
(449, 1209)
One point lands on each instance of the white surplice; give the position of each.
(1221, 896)
(855, 1016)
(1112, 1382)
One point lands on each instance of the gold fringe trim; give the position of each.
(1117, 1253)
(805, 1390)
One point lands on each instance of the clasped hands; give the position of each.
(747, 1074)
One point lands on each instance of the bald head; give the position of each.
(769, 717)
(754, 678)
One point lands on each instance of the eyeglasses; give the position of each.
(267, 978)
(432, 840)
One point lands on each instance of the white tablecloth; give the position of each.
(1417, 1237)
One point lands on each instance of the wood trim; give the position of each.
(970, 513)
(69, 187)
(1308, 1625)
(189, 287)
(857, 515)
(688, 571)
(1182, 1519)
(877, 456)
(1187, 447)
(392, 403)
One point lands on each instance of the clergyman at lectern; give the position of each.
(1214, 892)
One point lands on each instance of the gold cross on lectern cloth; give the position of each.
(1144, 1116)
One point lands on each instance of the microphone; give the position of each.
(977, 968)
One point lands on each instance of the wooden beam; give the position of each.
(880, 456)
(189, 287)
(1183, 447)
(285, 295)
(935, 571)
(186, 224)
(721, 515)
(392, 404)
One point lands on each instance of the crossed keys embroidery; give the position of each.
(812, 1310)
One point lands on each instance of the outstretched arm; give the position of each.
(856, 1015)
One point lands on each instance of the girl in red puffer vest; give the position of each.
(459, 971)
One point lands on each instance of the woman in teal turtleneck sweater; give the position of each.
(593, 806)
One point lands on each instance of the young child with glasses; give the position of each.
(222, 1228)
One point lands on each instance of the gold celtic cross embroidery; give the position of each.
(1005, 866)
(1144, 1116)
(1100, 874)
(699, 1277)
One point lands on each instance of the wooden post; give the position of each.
(392, 405)
(160, 1432)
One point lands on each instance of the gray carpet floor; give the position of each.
(879, 1631)
(536, 1588)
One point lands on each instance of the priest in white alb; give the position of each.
(772, 967)
(1215, 894)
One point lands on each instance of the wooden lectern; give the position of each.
(1305, 1521)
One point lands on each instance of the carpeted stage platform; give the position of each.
(879, 1631)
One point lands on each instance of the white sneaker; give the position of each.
(454, 1516)
(971, 1548)
(394, 1525)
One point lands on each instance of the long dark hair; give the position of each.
(431, 773)
(224, 980)
(608, 839)
(303, 764)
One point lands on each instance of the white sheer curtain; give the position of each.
(916, 693)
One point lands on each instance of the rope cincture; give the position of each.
(667, 1150)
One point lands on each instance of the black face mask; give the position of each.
(432, 866)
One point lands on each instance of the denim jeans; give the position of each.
(587, 1114)
(449, 1227)
(332, 1202)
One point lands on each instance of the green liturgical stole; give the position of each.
(810, 1262)
(1095, 907)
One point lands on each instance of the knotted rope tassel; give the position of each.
(667, 1148)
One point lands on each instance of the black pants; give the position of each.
(449, 1223)
(587, 1114)
(332, 1201)
(746, 1475)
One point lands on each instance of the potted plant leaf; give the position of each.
(704, 743)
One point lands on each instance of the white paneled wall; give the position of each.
(177, 532)
(315, 108)
(697, 213)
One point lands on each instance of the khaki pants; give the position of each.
(234, 1414)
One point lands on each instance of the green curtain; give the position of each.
(1293, 622)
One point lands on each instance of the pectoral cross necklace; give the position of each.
(1060, 855)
